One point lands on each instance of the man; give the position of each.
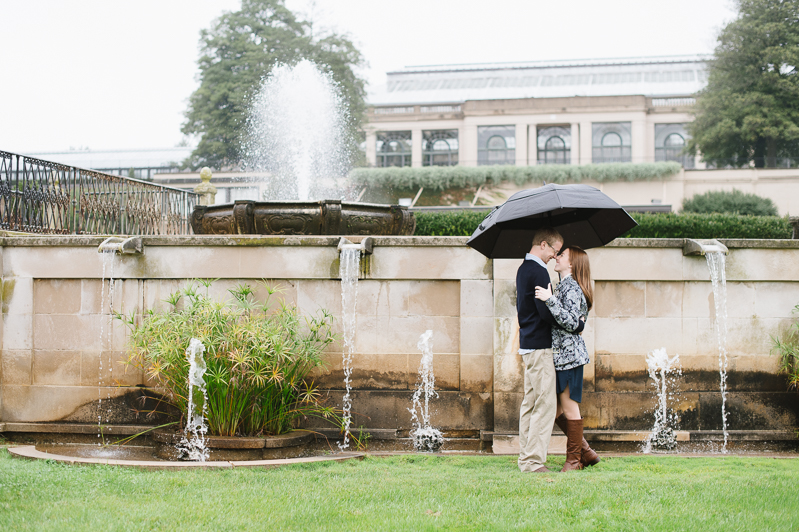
(537, 415)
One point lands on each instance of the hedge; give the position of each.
(730, 202)
(658, 225)
(442, 177)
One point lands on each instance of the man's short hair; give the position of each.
(547, 234)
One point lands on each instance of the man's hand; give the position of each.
(543, 293)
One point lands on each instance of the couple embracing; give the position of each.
(553, 351)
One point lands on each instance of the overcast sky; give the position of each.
(108, 74)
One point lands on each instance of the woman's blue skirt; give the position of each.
(573, 378)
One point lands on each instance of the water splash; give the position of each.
(349, 266)
(663, 370)
(106, 341)
(425, 437)
(716, 263)
(194, 445)
(297, 132)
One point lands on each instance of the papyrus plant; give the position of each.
(259, 357)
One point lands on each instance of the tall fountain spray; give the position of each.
(716, 263)
(425, 437)
(193, 445)
(662, 370)
(297, 132)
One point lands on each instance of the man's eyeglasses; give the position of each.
(557, 251)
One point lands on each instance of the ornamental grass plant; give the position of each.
(258, 357)
(786, 346)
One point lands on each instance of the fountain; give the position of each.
(663, 370)
(716, 264)
(193, 445)
(296, 129)
(108, 254)
(425, 438)
(715, 253)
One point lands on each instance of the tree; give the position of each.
(749, 110)
(239, 50)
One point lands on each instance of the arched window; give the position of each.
(670, 142)
(497, 150)
(611, 147)
(394, 148)
(554, 145)
(440, 148)
(496, 145)
(611, 142)
(675, 140)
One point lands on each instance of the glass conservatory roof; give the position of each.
(156, 157)
(656, 76)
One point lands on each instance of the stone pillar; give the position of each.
(532, 144)
(467, 154)
(416, 148)
(371, 148)
(638, 148)
(575, 144)
(205, 189)
(586, 142)
(521, 144)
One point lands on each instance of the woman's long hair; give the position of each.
(581, 271)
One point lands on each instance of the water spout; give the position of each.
(693, 247)
(128, 246)
(365, 247)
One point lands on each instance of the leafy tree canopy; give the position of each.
(730, 202)
(749, 110)
(238, 51)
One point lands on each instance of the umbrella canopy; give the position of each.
(582, 214)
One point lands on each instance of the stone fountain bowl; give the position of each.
(326, 217)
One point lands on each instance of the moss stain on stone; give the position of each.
(7, 293)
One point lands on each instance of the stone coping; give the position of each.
(30, 452)
(8, 239)
(681, 435)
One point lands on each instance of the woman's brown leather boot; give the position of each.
(589, 456)
(574, 437)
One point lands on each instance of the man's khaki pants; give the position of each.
(537, 415)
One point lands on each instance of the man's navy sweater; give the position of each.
(535, 320)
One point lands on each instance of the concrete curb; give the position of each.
(31, 453)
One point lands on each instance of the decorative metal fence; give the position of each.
(44, 197)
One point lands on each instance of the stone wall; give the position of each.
(57, 341)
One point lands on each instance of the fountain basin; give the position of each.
(32, 453)
(225, 448)
(326, 217)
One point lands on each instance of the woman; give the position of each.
(571, 302)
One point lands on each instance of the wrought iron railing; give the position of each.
(45, 197)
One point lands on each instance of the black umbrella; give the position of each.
(582, 214)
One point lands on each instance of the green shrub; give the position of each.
(693, 225)
(730, 202)
(258, 358)
(650, 225)
(443, 177)
(453, 223)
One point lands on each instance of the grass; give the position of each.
(407, 493)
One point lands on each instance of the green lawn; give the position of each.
(408, 493)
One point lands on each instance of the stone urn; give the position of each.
(326, 217)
